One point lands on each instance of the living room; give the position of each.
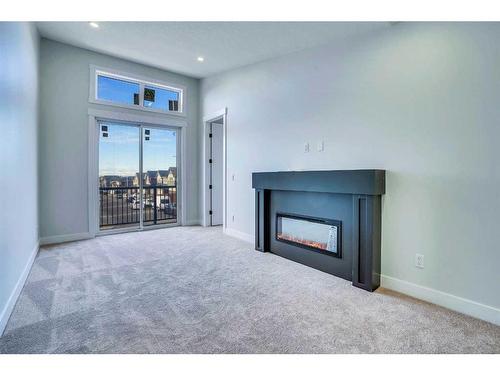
(250, 187)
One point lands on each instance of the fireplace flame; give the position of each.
(310, 243)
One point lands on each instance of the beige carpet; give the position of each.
(194, 290)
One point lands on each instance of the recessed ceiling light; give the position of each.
(94, 25)
(201, 58)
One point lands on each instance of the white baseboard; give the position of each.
(240, 235)
(462, 305)
(191, 222)
(65, 238)
(11, 302)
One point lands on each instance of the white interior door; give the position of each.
(216, 176)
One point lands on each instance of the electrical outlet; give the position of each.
(419, 260)
(321, 146)
(306, 147)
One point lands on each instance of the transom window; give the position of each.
(120, 90)
(160, 98)
(117, 90)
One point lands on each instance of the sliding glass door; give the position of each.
(159, 161)
(137, 175)
(119, 167)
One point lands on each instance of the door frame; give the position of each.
(165, 122)
(221, 114)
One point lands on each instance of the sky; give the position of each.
(116, 90)
(119, 152)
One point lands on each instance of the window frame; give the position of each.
(96, 71)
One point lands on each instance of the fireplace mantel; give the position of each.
(351, 198)
(361, 181)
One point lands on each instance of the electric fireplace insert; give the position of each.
(312, 233)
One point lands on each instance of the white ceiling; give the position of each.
(175, 46)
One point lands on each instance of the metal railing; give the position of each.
(121, 206)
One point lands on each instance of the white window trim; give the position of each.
(94, 115)
(142, 81)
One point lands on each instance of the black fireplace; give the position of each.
(329, 220)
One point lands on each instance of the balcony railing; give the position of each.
(121, 206)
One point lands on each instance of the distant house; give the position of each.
(148, 178)
(167, 177)
(110, 181)
(161, 177)
(127, 181)
(136, 180)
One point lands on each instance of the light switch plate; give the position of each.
(306, 147)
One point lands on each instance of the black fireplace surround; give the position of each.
(329, 220)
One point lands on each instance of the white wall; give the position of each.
(19, 44)
(64, 81)
(419, 100)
